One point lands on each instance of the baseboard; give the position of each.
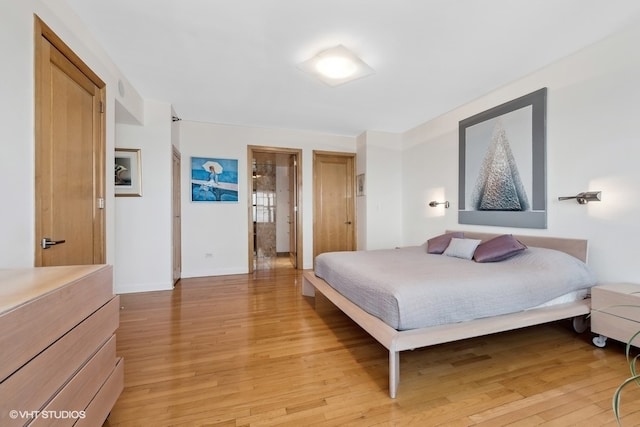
(141, 287)
(215, 272)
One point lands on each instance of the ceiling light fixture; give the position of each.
(336, 66)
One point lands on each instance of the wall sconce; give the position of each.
(586, 197)
(433, 204)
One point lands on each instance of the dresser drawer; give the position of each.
(40, 305)
(615, 327)
(102, 403)
(615, 311)
(74, 398)
(607, 297)
(32, 386)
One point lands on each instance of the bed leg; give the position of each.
(308, 289)
(394, 372)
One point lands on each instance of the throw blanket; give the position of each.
(408, 288)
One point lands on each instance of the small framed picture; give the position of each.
(360, 185)
(128, 172)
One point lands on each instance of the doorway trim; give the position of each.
(297, 153)
(176, 208)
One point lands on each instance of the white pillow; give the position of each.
(461, 248)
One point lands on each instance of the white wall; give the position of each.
(220, 229)
(592, 144)
(17, 118)
(382, 219)
(143, 238)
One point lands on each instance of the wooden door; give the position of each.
(69, 156)
(177, 218)
(334, 203)
(293, 209)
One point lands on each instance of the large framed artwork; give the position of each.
(502, 164)
(214, 179)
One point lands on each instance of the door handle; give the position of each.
(46, 242)
(347, 222)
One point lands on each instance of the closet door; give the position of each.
(334, 202)
(69, 156)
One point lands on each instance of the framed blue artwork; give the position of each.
(214, 179)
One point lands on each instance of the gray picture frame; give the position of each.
(128, 172)
(502, 164)
(360, 185)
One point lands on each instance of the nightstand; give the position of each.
(615, 312)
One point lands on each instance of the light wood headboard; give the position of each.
(574, 247)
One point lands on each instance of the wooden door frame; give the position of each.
(292, 184)
(42, 30)
(251, 150)
(316, 154)
(176, 200)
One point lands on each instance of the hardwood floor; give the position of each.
(249, 350)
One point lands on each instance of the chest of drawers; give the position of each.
(58, 363)
(615, 312)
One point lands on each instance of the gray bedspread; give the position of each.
(408, 288)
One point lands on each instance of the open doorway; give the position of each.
(275, 234)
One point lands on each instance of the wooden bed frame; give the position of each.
(396, 341)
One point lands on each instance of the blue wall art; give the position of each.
(214, 179)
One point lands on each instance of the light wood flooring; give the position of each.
(249, 350)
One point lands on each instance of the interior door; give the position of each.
(334, 203)
(69, 156)
(293, 209)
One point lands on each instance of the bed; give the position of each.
(398, 321)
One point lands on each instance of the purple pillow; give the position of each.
(498, 249)
(438, 244)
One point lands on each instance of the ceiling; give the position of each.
(235, 61)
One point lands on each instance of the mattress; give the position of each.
(408, 288)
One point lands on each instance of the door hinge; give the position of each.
(101, 107)
(100, 203)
